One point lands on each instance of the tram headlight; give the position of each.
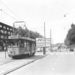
(13, 52)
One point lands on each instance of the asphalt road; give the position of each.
(58, 63)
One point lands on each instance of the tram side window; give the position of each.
(21, 43)
(33, 46)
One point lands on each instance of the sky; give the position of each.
(36, 12)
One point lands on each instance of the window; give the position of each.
(9, 33)
(21, 43)
(5, 32)
(12, 42)
(28, 46)
(2, 36)
(0, 26)
(7, 28)
(11, 29)
(5, 37)
(4, 27)
(1, 31)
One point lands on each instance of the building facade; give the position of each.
(5, 31)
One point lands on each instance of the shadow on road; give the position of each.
(29, 57)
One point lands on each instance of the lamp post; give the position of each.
(50, 41)
(13, 29)
(44, 48)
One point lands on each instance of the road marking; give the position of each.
(66, 53)
(62, 53)
(51, 53)
(52, 68)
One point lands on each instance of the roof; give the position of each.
(20, 37)
(6, 25)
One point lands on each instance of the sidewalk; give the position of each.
(4, 58)
(17, 63)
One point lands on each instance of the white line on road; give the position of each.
(66, 53)
(51, 53)
(62, 53)
(52, 69)
(55, 65)
(57, 53)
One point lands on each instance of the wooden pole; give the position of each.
(50, 41)
(44, 48)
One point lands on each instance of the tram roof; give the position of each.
(20, 37)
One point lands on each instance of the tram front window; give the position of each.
(16, 43)
(12, 42)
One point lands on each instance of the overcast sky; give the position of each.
(36, 12)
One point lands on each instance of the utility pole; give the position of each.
(44, 48)
(50, 41)
(13, 28)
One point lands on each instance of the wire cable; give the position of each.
(10, 10)
(8, 14)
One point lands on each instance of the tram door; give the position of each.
(32, 48)
(28, 47)
(21, 46)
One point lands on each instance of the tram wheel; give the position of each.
(33, 53)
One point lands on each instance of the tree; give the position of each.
(27, 33)
(70, 39)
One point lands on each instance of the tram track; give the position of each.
(23, 65)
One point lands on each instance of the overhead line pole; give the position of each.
(44, 35)
(44, 48)
(50, 39)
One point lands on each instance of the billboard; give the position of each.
(40, 42)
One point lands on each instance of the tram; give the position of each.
(18, 46)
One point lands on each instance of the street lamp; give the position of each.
(0, 9)
(64, 15)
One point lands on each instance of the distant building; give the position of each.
(40, 42)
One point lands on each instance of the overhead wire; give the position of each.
(8, 15)
(10, 10)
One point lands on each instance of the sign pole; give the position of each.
(50, 41)
(44, 48)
